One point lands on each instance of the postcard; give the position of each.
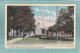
(40, 26)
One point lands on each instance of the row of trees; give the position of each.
(65, 21)
(20, 17)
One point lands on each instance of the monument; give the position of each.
(39, 30)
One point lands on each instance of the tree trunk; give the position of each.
(7, 35)
(13, 32)
(72, 34)
(17, 33)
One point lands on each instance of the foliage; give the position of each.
(52, 28)
(65, 21)
(20, 17)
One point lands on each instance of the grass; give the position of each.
(41, 41)
(35, 40)
(63, 38)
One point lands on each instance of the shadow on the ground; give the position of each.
(53, 38)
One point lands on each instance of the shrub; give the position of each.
(47, 37)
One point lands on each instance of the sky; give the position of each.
(49, 14)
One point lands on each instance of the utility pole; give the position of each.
(43, 24)
(56, 24)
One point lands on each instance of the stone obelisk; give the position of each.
(43, 24)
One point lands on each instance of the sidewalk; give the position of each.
(13, 40)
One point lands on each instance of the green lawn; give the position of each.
(37, 40)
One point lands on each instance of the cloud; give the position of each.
(50, 18)
(46, 18)
(51, 21)
(46, 24)
(38, 17)
(37, 9)
(54, 13)
(47, 11)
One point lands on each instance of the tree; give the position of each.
(23, 18)
(66, 20)
(10, 18)
(52, 28)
